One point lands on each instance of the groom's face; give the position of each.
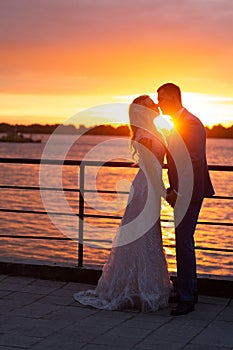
(166, 102)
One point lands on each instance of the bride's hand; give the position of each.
(171, 198)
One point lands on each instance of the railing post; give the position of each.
(81, 214)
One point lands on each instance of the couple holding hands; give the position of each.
(135, 274)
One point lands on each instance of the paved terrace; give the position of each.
(41, 314)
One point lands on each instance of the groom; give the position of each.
(193, 136)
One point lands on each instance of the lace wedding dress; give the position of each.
(136, 275)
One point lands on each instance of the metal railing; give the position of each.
(81, 214)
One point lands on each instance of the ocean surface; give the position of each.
(98, 233)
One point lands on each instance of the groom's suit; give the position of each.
(192, 132)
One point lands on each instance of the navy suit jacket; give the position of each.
(193, 133)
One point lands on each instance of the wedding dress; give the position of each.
(135, 274)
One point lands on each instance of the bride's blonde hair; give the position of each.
(141, 111)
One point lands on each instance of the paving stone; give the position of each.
(226, 315)
(70, 313)
(17, 340)
(10, 304)
(123, 315)
(81, 286)
(48, 283)
(123, 331)
(19, 280)
(174, 332)
(118, 341)
(9, 348)
(205, 299)
(2, 277)
(165, 312)
(98, 319)
(151, 316)
(63, 292)
(205, 347)
(11, 287)
(56, 300)
(187, 320)
(218, 333)
(22, 298)
(159, 345)
(76, 287)
(38, 327)
(32, 288)
(65, 339)
(103, 347)
(55, 344)
(7, 324)
(6, 307)
(149, 324)
(34, 310)
(94, 331)
(4, 293)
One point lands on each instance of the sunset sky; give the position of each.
(60, 57)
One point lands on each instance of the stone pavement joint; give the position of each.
(41, 314)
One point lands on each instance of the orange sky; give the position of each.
(62, 56)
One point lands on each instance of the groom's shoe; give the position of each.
(183, 308)
(195, 298)
(174, 297)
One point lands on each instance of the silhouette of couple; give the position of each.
(135, 274)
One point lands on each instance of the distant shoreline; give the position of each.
(217, 131)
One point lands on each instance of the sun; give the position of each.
(209, 108)
(164, 123)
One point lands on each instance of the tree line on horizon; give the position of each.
(217, 131)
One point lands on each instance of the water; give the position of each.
(219, 151)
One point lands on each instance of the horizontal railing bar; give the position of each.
(220, 167)
(220, 197)
(107, 191)
(166, 245)
(93, 163)
(49, 238)
(101, 216)
(36, 188)
(40, 161)
(164, 220)
(215, 223)
(54, 238)
(225, 250)
(36, 212)
(205, 222)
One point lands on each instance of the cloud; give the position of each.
(46, 44)
(49, 22)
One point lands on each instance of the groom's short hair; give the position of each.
(171, 88)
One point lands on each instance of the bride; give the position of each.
(136, 275)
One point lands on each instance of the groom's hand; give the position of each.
(171, 197)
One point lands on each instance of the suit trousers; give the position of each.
(185, 252)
